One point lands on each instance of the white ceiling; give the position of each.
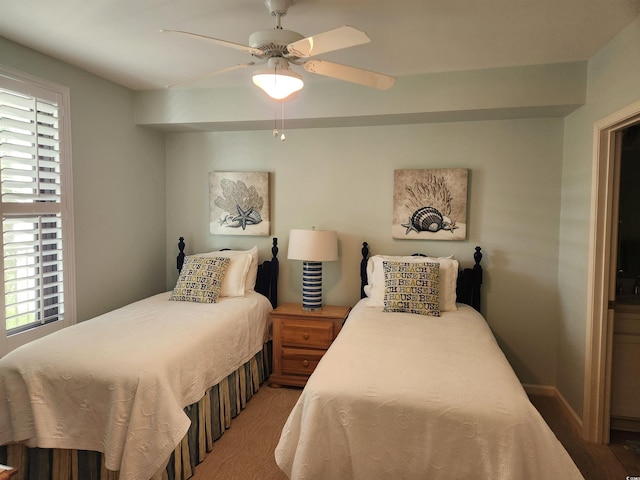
(120, 39)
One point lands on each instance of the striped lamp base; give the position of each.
(312, 286)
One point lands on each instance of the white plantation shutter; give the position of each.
(33, 271)
(34, 208)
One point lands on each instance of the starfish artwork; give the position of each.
(243, 218)
(237, 203)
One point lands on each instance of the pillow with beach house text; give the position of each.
(411, 287)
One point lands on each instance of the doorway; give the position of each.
(603, 271)
(624, 414)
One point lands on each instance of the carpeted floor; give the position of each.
(245, 451)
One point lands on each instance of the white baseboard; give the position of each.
(542, 390)
(549, 391)
(570, 411)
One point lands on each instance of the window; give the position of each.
(37, 210)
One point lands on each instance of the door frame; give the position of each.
(607, 134)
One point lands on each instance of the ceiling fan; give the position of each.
(280, 49)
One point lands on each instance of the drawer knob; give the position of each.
(305, 335)
(305, 363)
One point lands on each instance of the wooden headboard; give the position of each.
(268, 271)
(469, 279)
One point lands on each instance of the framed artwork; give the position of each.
(239, 203)
(430, 204)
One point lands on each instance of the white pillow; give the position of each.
(252, 275)
(448, 278)
(448, 281)
(242, 272)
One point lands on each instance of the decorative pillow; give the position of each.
(200, 279)
(249, 275)
(448, 281)
(411, 287)
(375, 274)
(448, 278)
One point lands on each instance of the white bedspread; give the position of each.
(401, 396)
(118, 383)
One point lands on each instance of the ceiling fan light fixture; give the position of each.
(278, 83)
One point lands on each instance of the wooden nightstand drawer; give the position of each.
(300, 339)
(298, 361)
(307, 333)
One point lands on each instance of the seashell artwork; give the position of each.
(430, 204)
(239, 203)
(429, 219)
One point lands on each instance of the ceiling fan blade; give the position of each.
(223, 43)
(350, 74)
(211, 74)
(329, 41)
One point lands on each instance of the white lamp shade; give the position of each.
(313, 245)
(279, 84)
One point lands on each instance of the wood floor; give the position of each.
(626, 447)
(245, 452)
(596, 462)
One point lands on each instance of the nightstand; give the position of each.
(300, 339)
(7, 472)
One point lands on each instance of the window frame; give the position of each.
(40, 88)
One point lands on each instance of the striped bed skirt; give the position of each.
(210, 417)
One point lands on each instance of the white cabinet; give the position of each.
(625, 369)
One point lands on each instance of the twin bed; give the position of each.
(416, 387)
(143, 391)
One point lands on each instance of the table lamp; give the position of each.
(312, 247)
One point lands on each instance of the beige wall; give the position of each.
(517, 92)
(119, 178)
(613, 83)
(342, 179)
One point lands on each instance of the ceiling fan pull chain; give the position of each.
(282, 137)
(275, 125)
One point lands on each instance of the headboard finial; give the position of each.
(476, 274)
(363, 268)
(180, 259)
(274, 271)
(477, 256)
